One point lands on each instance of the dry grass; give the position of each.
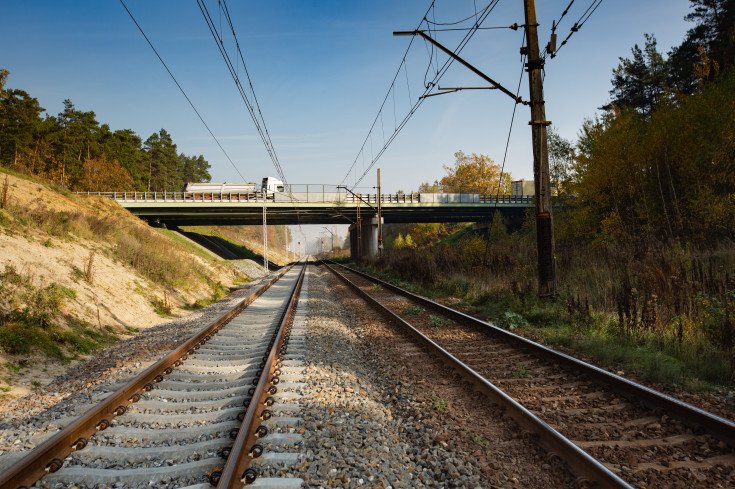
(672, 300)
(112, 237)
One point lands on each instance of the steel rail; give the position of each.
(48, 457)
(692, 416)
(237, 472)
(581, 464)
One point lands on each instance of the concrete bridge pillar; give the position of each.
(368, 239)
(353, 242)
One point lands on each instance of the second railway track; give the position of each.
(619, 424)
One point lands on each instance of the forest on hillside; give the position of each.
(75, 151)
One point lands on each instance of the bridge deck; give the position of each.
(315, 207)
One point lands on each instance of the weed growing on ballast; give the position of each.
(413, 310)
(522, 372)
(439, 403)
(437, 322)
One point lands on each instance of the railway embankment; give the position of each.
(78, 273)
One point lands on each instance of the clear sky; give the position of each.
(320, 70)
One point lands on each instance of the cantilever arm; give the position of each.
(479, 73)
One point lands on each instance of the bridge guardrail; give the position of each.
(315, 197)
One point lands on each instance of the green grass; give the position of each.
(413, 310)
(24, 334)
(12, 366)
(241, 251)
(437, 322)
(34, 320)
(439, 403)
(522, 372)
(457, 235)
(654, 356)
(187, 244)
(218, 292)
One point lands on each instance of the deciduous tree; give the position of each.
(475, 174)
(105, 175)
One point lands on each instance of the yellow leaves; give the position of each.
(101, 175)
(475, 174)
(473, 250)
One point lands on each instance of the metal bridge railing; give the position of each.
(315, 197)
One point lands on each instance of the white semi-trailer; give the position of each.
(220, 188)
(219, 191)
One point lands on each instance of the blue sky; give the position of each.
(320, 71)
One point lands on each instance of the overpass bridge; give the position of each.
(317, 205)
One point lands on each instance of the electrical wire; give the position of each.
(578, 25)
(181, 89)
(556, 24)
(414, 106)
(391, 88)
(510, 129)
(258, 121)
(514, 27)
(463, 20)
(250, 82)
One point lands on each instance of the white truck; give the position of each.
(271, 185)
(233, 191)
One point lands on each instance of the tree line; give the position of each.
(659, 163)
(75, 151)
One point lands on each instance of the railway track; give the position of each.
(221, 409)
(611, 432)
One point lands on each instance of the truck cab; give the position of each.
(271, 185)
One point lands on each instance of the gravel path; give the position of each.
(373, 419)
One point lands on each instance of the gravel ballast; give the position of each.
(380, 413)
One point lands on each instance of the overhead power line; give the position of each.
(253, 106)
(510, 129)
(577, 25)
(459, 21)
(428, 87)
(555, 24)
(181, 88)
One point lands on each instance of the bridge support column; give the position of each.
(353, 242)
(368, 239)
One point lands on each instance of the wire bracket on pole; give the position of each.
(453, 55)
(540, 123)
(455, 89)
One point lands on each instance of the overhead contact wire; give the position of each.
(181, 89)
(486, 12)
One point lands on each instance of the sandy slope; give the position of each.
(117, 296)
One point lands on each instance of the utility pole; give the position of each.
(542, 183)
(265, 232)
(544, 224)
(358, 221)
(380, 219)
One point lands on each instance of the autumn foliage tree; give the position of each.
(667, 176)
(103, 175)
(476, 174)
